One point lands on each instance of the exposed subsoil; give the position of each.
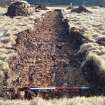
(46, 56)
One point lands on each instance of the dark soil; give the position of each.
(46, 56)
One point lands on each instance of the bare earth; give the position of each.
(45, 55)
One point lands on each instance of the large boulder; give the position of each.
(19, 8)
(93, 69)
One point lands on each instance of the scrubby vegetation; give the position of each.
(91, 25)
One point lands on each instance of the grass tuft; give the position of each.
(93, 69)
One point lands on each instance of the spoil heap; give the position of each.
(46, 55)
(19, 8)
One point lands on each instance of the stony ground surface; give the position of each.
(46, 55)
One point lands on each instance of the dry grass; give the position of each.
(92, 47)
(93, 69)
(97, 59)
(63, 101)
(92, 24)
(2, 10)
(19, 23)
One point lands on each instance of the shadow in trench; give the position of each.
(67, 68)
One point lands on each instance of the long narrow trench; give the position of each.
(46, 55)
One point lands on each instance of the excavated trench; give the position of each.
(46, 56)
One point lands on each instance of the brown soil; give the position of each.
(46, 55)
